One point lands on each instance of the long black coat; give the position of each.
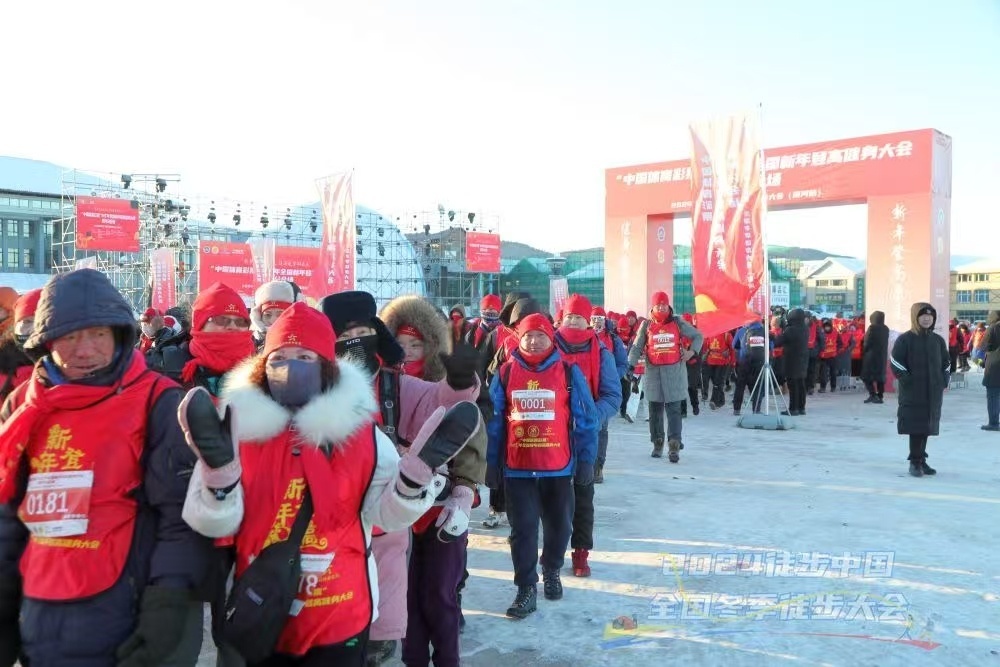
(875, 349)
(991, 343)
(794, 340)
(920, 363)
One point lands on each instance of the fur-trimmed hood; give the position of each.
(426, 318)
(327, 419)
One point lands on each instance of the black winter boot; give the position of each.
(525, 602)
(916, 468)
(461, 616)
(552, 585)
(927, 470)
(380, 651)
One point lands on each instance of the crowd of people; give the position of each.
(308, 473)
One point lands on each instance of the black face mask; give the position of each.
(361, 351)
(21, 339)
(294, 382)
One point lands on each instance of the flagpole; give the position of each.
(766, 286)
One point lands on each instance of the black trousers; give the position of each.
(875, 388)
(796, 395)
(746, 377)
(549, 499)
(351, 653)
(953, 356)
(811, 371)
(918, 447)
(718, 375)
(583, 517)
(626, 392)
(828, 371)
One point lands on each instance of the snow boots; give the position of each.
(525, 602)
(552, 585)
(380, 651)
(657, 449)
(581, 568)
(674, 446)
(919, 468)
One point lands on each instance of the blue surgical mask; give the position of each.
(294, 382)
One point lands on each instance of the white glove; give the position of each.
(454, 518)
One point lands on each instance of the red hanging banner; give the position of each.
(164, 287)
(107, 224)
(232, 264)
(727, 254)
(482, 252)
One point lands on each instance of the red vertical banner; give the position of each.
(558, 293)
(163, 288)
(727, 252)
(335, 272)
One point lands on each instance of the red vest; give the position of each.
(589, 363)
(952, 336)
(8, 383)
(334, 602)
(663, 343)
(83, 467)
(813, 334)
(538, 417)
(778, 351)
(829, 350)
(859, 338)
(719, 350)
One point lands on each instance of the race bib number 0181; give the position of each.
(533, 405)
(56, 504)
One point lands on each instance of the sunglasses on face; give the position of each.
(227, 321)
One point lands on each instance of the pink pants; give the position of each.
(390, 559)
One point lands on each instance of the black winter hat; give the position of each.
(357, 308)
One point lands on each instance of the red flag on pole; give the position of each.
(335, 271)
(727, 258)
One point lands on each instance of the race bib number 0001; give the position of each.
(56, 504)
(533, 405)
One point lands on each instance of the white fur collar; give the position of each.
(327, 419)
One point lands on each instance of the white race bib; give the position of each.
(56, 504)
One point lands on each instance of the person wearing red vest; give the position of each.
(717, 357)
(955, 345)
(97, 566)
(15, 365)
(304, 425)
(828, 357)
(488, 320)
(666, 379)
(694, 372)
(778, 354)
(816, 342)
(542, 439)
(580, 346)
(857, 330)
(625, 334)
(405, 402)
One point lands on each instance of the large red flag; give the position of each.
(335, 271)
(727, 254)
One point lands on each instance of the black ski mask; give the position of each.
(294, 382)
(361, 351)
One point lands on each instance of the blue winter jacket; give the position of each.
(742, 350)
(583, 429)
(609, 386)
(620, 353)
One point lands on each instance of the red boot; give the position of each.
(580, 566)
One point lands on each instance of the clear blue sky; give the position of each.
(512, 108)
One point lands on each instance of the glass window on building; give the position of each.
(964, 278)
(982, 277)
(11, 226)
(981, 296)
(963, 296)
(26, 226)
(13, 258)
(822, 283)
(29, 259)
(838, 283)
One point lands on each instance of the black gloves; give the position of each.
(162, 618)
(210, 436)
(10, 610)
(461, 366)
(457, 427)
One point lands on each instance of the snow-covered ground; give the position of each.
(767, 529)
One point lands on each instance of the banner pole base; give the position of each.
(770, 417)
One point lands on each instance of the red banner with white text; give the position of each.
(232, 264)
(336, 253)
(107, 224)
(727, 255)
(482, 252)
(164, 286)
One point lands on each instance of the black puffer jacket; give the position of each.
(13, 363)
(920, 363)
(794, 340)
(875, 349)
(991, 343)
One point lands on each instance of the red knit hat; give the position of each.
(26, 305)
(149, 314)
(302, 326)
(598, 312)
(661, 299)
(623, 323)
(218, 299)
(490, 302)
(577, 304)
(535, 322)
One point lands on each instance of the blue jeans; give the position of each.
(993, 405)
